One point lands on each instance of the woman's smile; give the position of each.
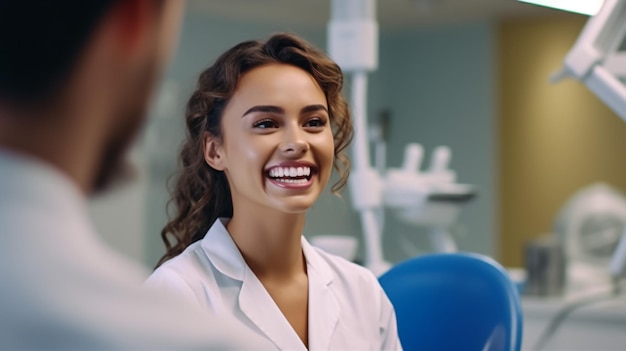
(292, 175)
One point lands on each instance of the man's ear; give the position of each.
(214, 152)
(134, 21)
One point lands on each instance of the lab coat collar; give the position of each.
(324, 310)
(256, 303)
(225, 256)
(316, 262)
(254, 300)
(222, 251)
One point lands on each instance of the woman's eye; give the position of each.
(265, 124)
(315, 123)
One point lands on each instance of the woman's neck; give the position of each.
(270, 242)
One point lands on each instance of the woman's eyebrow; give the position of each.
(265, 108)
(280, 110)
(313, 108)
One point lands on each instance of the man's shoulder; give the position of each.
(84, 296)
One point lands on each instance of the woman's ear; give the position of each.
(213, 152)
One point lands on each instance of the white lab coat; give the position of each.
(62, 289)
(348, 310)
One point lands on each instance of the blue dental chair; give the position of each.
(454, 301)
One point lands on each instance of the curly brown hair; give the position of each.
(201, 194)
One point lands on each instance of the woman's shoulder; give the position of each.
(181, 262)
(181, 269)
(185, 275)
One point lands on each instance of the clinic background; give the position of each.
(467, 74)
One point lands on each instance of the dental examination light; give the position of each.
(431, 198)
(598, 58)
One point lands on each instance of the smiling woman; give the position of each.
(277, 120)
(266, 126)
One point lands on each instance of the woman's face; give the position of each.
(277, 145)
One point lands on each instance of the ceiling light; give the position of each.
(585, 7)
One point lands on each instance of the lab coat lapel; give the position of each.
(256, 303)
(254, 300)
(324, 310)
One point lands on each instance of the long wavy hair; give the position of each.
(201, 194)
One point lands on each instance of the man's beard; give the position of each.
(116, 166)
(116, 170)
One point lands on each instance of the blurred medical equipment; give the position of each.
(431, 198)
(594, 322)
(544, 262)
(598, 58)
(593, 222)
(590, 226)
(454, 301)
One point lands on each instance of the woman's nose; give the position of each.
(294, 144)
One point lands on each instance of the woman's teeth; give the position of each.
(280, 172)
(292, 181)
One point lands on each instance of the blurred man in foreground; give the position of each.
(76, 77)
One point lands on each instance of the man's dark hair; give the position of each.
(40, 41)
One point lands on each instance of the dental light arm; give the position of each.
(598, 58)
